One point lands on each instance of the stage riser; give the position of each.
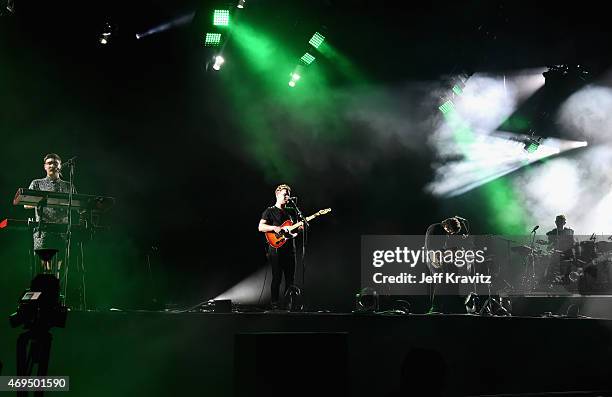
(157, 354)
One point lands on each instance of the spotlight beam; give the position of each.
(491, 157)
(180, 21)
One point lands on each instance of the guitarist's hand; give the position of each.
(288, 232)
(277, 229)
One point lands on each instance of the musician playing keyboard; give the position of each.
(51, 183)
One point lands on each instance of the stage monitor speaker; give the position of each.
(291, 364)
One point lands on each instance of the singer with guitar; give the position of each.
(281, 258)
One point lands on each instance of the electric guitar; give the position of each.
(277, 240)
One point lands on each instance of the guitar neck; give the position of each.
(301, 223)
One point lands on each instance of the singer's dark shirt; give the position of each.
(275, 216)
(49, 214)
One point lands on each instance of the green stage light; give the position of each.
(294, 78)
(212, 39)
(307, 59)
(532, 144)
(457, 89)
(219, 61)
(221, 18)
(316, 40)
(447, 107)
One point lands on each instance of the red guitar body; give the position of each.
(277, 240)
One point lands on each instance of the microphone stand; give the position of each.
(431, 286)
(532, 256)
(302, 218)
(40, 209)
(69, 227)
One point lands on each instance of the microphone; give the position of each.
(69, 162)
(460, 218)
(294, 198)
(535, 228)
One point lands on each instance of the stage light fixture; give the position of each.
(460, 81)
(316, 40)
(241, 3)
(531, 145)
(219, 61)
(221, 18)
(456, 84)
(294, 78)
(472, 303)
(366, 301)
(566, 72)
(212, 40)
(307, 58)
(447, 107)
(293, 299)
(106, 34)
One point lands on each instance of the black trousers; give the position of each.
(282, 261)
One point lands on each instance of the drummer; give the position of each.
(561, 237)
(561, 240)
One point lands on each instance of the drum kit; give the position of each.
(546, 267)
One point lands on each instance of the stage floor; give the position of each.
(138, 353)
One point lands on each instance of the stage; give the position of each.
(214, 354)
(165, 153)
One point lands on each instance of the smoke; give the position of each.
(578, 186)
(355, 127)
(486, 102)
(470, 150)
(587, 114)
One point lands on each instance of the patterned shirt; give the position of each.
(43, 239)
